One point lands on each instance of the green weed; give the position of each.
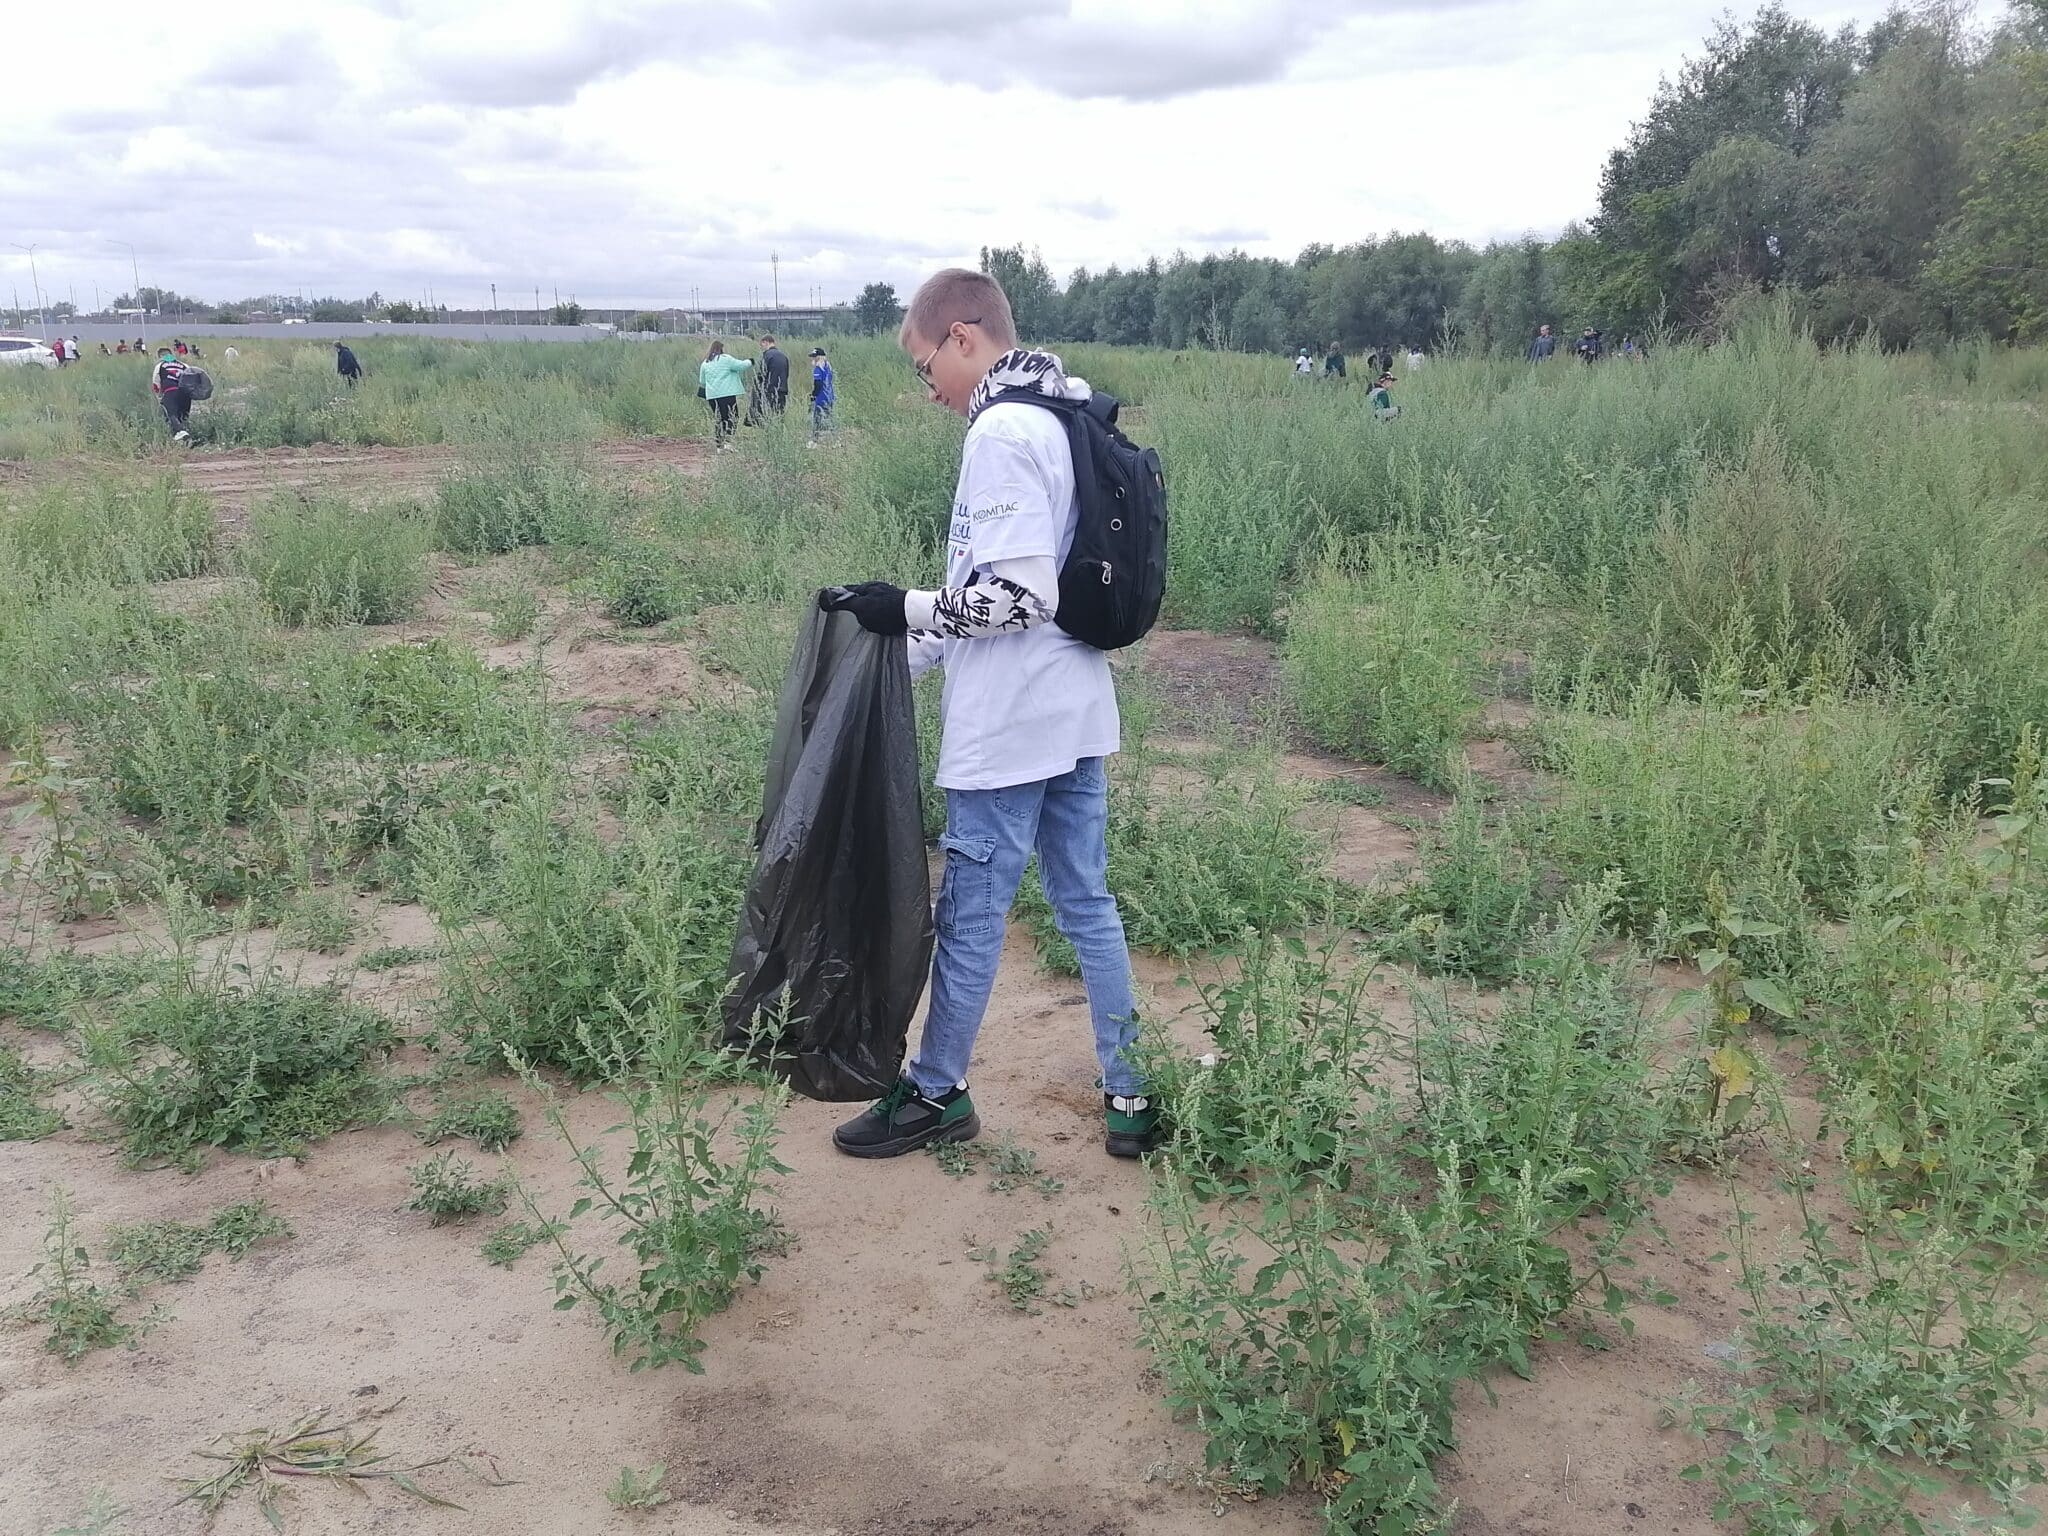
(508, 1242)
(80, 1314)
(638, 1489)
(149, 1252)
(324, 561)
(266, 1067)
(688, 1212)
(491, 1120)
(21, 1117)
(1386, 653)
(447, 1190)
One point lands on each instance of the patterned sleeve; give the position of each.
(1004, 597)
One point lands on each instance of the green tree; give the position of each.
(876, 310)
(1027, 283)
(570, 313)
(1991, 267)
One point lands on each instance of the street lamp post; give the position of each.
(42, 319)
(136, 272)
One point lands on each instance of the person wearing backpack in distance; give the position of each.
(1029, 710)
(345, 363)
(167, 382)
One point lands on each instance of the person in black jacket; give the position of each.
(1589, 346)
(774, 375)
(345, 363)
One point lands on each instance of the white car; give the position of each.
(23, 350)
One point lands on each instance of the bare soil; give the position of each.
(876, 1380)
(237, 477)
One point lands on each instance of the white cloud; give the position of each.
(634, 150)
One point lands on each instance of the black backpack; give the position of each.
(195, 383)
(1115, 573)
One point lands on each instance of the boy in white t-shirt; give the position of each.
(1028, 715)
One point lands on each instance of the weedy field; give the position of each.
(1583, 840)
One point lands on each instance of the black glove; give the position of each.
(877, 605)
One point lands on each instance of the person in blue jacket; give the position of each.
(822, 395)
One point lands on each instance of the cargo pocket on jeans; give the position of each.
(967, 891)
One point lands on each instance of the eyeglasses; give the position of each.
(923, 370)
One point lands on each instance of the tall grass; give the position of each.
(321, 560)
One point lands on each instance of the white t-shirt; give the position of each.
(1027, 706)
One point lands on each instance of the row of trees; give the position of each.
(1893, 181)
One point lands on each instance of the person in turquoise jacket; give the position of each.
(721, 380)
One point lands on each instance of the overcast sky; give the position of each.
(630, 151)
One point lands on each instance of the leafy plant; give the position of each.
(1386, 650)
(490, 1119)
(1019, 1272)
(153, 1251)
(263, 1067)
(638, 1489)
(508, 1242)
(389, 957)
(21, 1117)
(688, 1213)
(325, 561)
(447, 1190)
(81, 1315)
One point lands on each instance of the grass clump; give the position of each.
(42, 993)
(319, 560)
(560, 939)
(509, 1241)
(390, 957)
(1404, 1247)
(447, 1190)
(148, 1252)
(322, 921)
(491, 1120)
(1670, 791)
(21, 1117)
(1386, 650)
(269, 1461)
(266, 1068)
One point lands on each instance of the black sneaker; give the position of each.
(903, 1120)
(1133, 1124)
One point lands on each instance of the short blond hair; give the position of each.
(958, 296)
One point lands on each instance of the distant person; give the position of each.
(120, 348)
(1382, 399)
(138, 347)
(1589, 347)
(721, 377)
(58, 348)
(194, 351)
(1631, 349)
(178, 345)
(823, 396)
(1303, 368)
(345, 363)
(1416, 359)
(1333, 361)
(74, 349)
(231, 354)
(1543, 345)
(774, 375)
(105, 353)
(167, 380)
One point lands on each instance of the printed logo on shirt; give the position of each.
(996, 509)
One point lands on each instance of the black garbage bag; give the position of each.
(838, 914)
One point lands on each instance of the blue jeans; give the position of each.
(990, 835)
